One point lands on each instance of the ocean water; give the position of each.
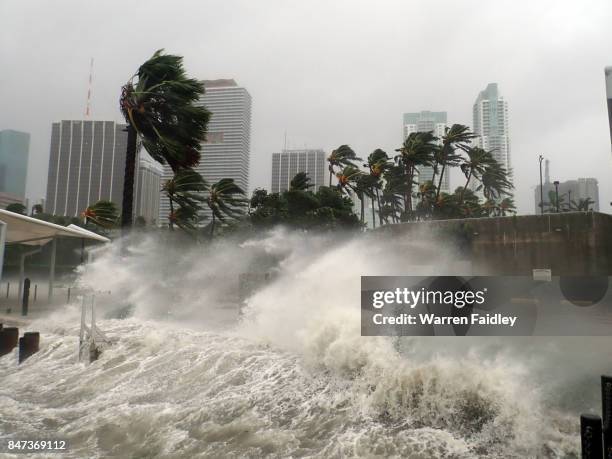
(185, 376)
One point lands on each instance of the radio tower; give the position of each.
(88, 106)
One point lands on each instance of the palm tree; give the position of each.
(341, 157)
(185, 192)
(225, 199)
(506, 206)
(584, 204)
(474, 166)
(37, 209)
(102, 213)
(456, 137)
(159, 106)
(494, 181)
(301, 182)
(378, 163)
(417, 150)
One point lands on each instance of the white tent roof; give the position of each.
(31, 231)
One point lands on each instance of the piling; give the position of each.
(29, 344)
(590, 436)
(25, 302)
(606, 402)
(8, 339)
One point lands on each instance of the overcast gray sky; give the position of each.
(329, 72)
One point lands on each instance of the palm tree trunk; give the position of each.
(362, 209)
(465, 187)
(212, 226)
(128, 179)
(440, 182)
(380, 219)
(373, 213)
(170, 223)
(330, 175)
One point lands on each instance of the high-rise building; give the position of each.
(87, 164)
(608, 73)
(14, 149)
(148, 186)
(491, 125)
(570, 191)
(286, 164)
(226, 152)
(426, 121)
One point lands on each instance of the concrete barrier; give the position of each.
(8, 339)
(29, 345)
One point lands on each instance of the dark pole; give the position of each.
(606, 401)
(569, 199)
(128, 179)
(556, 182)
(541, 158)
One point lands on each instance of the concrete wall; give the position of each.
(570, 244)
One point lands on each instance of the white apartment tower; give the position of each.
(426, 121)
(226, 152)
(491, 125)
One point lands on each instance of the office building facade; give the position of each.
(87, 164)
(226, 152)
(426, 121)
(286, 164)
(14, 151)
(148, 186)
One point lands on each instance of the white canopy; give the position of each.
(21, 229)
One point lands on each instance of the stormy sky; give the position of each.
(329, 72)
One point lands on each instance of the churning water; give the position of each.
(185, 377)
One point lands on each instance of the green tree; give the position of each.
(17, 208)
(474, 166)
(225, 200)
(457, 137)
(185, 192)
(418, 150)
(159, 104)
(103, 214)
(378, 163)
(341, 157)
(301, 182)
(37, 209)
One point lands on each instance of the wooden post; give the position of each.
(25, 302)
(8, 339)
(606, 414)
(590, 436)
(29, 344)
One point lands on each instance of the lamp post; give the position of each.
(556, 183)
(541, 158)
(569, 200)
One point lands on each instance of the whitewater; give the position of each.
(290, 376)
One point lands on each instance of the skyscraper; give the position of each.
(491, 125)
(226, 152)
(14, 149)
(608, 73)
(87, 164)
(289, 162)
(426, 121)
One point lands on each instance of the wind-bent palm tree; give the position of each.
(185, 192)
(584, 204)
(102, 213)
(159, 105)
(506, 206)
(378, 163)
(474, 166)
(417, 150)
(457, 137)
(301, 182)
(341, 157)
(225, 199)
(494, 181)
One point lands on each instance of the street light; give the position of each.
(541, 158)
(556, 183)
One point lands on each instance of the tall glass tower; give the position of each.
(14, 149)
(608, 72)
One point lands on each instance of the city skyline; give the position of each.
(334, 91)
(14, 155)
